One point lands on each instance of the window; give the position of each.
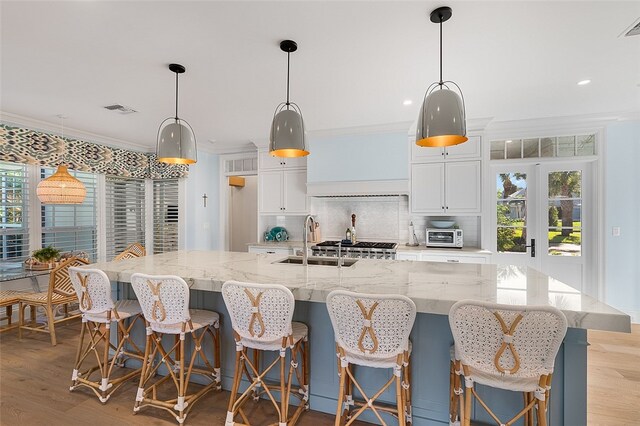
(71, 227)
(511, 191)
(125, 209)
(561, 146)
(165, 215)
(14, 218)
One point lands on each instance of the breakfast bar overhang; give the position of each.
(434, 287)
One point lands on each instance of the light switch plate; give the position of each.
(615, 231)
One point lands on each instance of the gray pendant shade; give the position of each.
(442, 119)
(176, 142)
(287, 138)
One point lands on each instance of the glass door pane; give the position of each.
(565, 213)
(511, 212)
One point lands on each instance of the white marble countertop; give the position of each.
(434, 287)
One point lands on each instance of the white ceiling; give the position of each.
(356, 64)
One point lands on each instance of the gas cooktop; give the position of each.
(360, 244)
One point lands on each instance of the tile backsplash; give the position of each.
(381, 219)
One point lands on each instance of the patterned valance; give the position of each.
(20, 145)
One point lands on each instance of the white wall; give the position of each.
(622, 209)
(243, 214)
(202, 223)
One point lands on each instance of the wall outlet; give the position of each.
(205, 226)
(615, 231)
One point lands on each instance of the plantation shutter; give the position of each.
(72, 227)
(165, 215)
(125, 209)
(14, 213)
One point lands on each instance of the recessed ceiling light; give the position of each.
(407, 102)
(509, 141)
(583, 82)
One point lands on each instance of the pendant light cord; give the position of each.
(288, 70)
(441, 52)
(177, 95)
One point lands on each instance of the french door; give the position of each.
(542, 218)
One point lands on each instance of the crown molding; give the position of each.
(553, 126)
(70, 132)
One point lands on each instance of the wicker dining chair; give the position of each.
(506, 347)
(132, 251)
(60, 293)
(372, 331)
(261, 317)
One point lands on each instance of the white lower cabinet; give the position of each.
(452, 259)
(271, 250)
(283, 191)
(430, 256)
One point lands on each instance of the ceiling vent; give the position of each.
(633, 30)
(120, 108)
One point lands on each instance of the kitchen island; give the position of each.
(434, 287)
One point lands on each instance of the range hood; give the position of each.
(370, 188)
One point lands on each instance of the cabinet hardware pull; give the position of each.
(271, 252)
(453, 261)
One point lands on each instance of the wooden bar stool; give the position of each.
(261, 319)
(507, 347)
(165, 305)
(372, 331)
(132, 251)
(98, 312)
(8, 299)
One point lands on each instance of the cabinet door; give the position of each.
(269, 250)
(294, 163)
(267, 161)
(295, 191)
(402, 255)
(422, 153)
(462, 194)
(270, 187)
(469, 149)
(427, 188)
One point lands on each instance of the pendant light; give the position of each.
(176, 138)
(288, 137)
(442, 120)
(61, 187)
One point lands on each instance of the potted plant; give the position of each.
(47, 255)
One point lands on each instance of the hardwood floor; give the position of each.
(34, 380)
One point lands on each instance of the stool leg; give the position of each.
(9, 313)
(146, 365)
(21, 308)
(407, 379)
(217, 360)
(182, 389)
(283, 393)
(400, 400)
(341, 393)
(468, 395)
(105, 362)
(76, 367)
(237, 375)
(542, 413)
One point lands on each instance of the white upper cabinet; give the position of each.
(462, 187)
(269, 162)
(446, 188)
(271, 194)
(468, 150)
(427, 188)
(295, 191)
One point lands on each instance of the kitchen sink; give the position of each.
(319, 261)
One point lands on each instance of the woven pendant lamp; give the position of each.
(61, 187)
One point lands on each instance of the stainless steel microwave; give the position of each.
(445, 238)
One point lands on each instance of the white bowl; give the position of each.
(442, 224)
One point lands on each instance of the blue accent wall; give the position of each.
(379, 156)
(622, 208)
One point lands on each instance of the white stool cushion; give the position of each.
(300, 331)
(199, 317)
(367, 361)
(125, 308)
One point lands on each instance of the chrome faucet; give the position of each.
(305, 238)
